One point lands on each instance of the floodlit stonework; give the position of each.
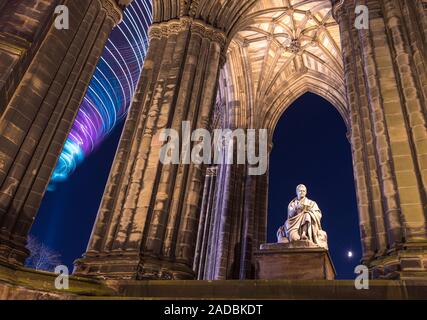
(219, 64)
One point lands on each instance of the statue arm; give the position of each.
(291, 210)
(316, 209)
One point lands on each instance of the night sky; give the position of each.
(310, 147)
(65, 220)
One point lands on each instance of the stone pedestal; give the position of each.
(300, 260)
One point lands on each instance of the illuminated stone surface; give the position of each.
(228, 64)
(298, 260)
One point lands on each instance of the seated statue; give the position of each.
(303, 221)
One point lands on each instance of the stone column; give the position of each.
(205, 223)
(414, 18)
(385, 89)
(218, 237)
(238, 224)
(36, 122)
(249, 227)
(23, 25)
(147, 223)
(224, 248)
(254, 222)
(362, 139)
(241, 224)
(261, 211)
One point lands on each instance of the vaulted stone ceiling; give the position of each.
(282, 49)
(222, 14)
(278, 50)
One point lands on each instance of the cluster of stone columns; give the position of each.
(207, 226)
(385, 74)
(243, 223)
(147, 223)
(39, 114)
(233, 223)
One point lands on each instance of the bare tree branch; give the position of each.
(41, 257)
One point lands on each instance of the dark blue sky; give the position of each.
(310, 146)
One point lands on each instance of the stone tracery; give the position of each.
(280, 42)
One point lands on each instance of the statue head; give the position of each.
(301, 191)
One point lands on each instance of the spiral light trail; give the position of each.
(111, 89)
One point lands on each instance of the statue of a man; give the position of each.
(303, 221)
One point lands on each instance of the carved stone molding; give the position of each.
(160, 30)
(113, 9)
(193, 7)
(209, 32)
(337, 5)
(173, 28)
(164, 29)
(211, 171)
(295, 47)
(155, 32)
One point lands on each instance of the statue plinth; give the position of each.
(297, 260)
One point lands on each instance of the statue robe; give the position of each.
(310, 214)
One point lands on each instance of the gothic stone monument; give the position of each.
(219, 64)
(301, 251)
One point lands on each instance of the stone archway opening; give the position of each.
(280, 51)
(310, 147)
